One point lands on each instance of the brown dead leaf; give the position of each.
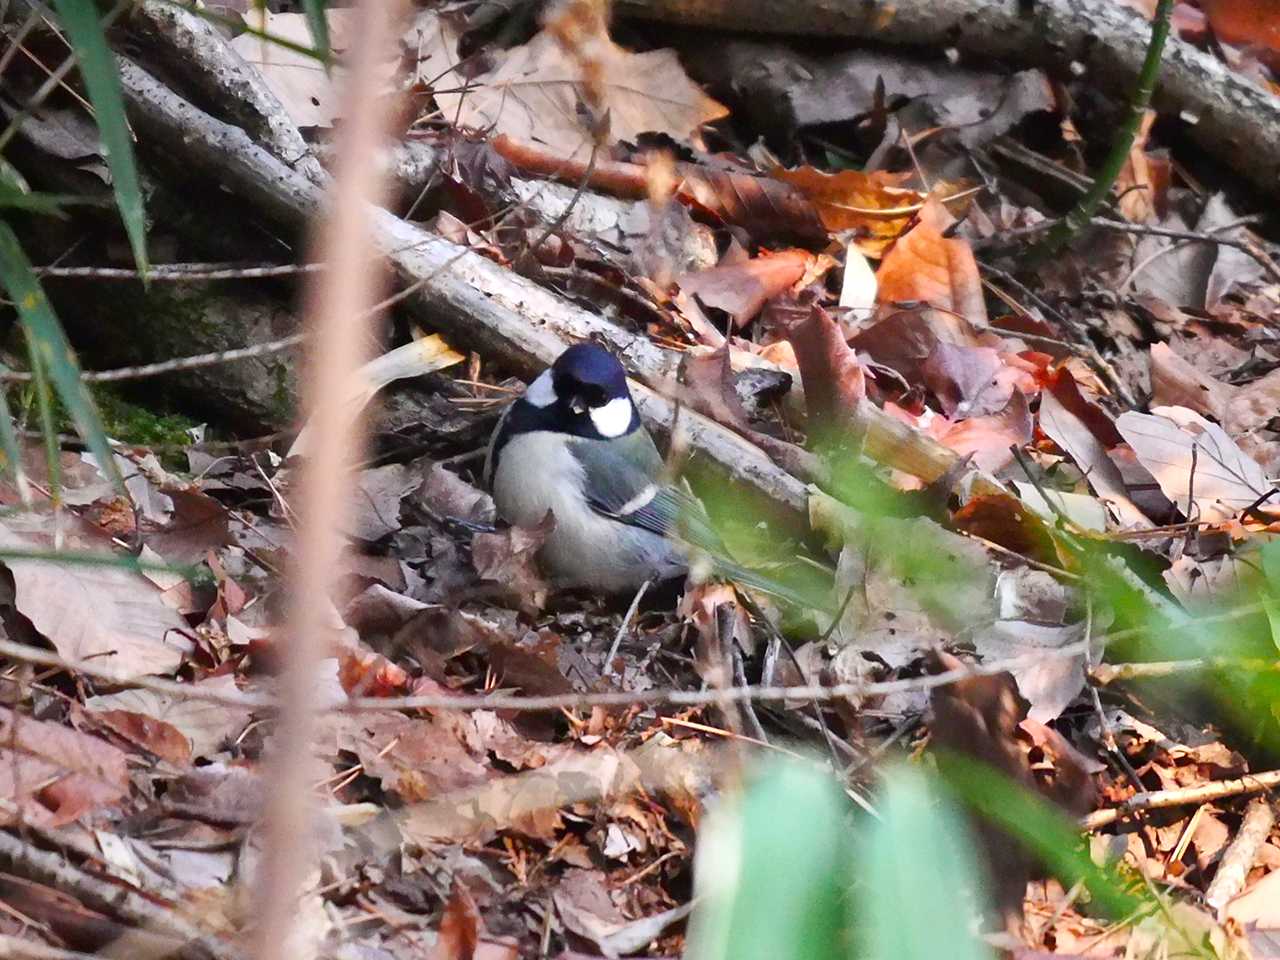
(197, 525)
(115, 616)
(978, 718)
(708, 375)
(988, 438)
(834, 382)
(927, 266)
(51, 774)
(207, 726)
(970, 381)
(1252, 420)
(873, 204)
(155, 736)
(417, 758)
(509, 558)
(741, 289)
(1252, 23)
(459, 927)
(1175, 382)
(538, 92)
(721, 622)
(1194, 460)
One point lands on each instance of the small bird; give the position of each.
(574, 445)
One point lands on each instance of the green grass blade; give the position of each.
(919, 854)
(1039, 826)
(774, 871)
(98, 70)
(318, 24)
(44, 333)
(10, 449)
(44, 403)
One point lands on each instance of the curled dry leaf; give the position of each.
(926, 265)
(535, 92)
(1194, 461)
(769, 209)
(834, 382)
(741, 289)
(71, 773)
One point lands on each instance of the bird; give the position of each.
(573, 444)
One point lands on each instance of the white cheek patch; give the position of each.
(542, 392)
(612, 419)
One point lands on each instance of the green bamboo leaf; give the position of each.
(98, 69)
(774, 871)
(10, 449)
(49, 343)
(318, 24)
(919, 853)
(1039, 826)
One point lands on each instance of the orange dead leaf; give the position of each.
(928, 266)
(872, 203)
(1249, 23)
(1135, 183)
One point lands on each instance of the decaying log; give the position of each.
(1230, 117)
(221, 79)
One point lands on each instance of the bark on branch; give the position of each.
(1230, 117)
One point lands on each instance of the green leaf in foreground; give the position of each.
(98, 70)
(318, 24)
(774, 871)
(1040, 827)
(920, 876)
(44, 333)
(10, 448)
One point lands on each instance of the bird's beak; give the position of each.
(577, 406)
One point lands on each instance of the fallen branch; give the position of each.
(112, 899)
(1228, 115)
(194, 48)
(1234, 867)
(1160, 799)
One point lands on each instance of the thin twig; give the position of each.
(1160, 799)
(517, 703)
(622, 627)
(163, 924)
(182, 272)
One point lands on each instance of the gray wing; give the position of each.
(622, 479)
